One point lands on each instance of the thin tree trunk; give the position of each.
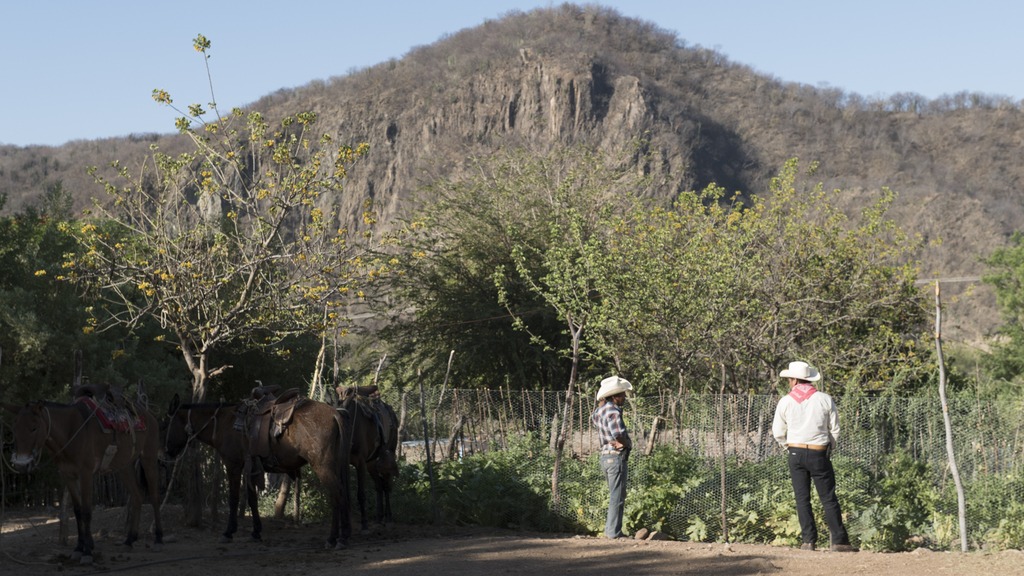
(576, 331)
(453, 439)
(297, 498)
(194, 488)
(282, 496)
(440, 398)
(316, 388)
(950, 452)
(380, 364)
(651, 437)
(401, 422)
(426, 451)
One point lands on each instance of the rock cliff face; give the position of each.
(528, 101)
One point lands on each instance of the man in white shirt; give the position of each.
(806, 424)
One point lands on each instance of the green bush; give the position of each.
(657, 483)
(503, 489)
(901, 505)
(995, 514)
(761, 507)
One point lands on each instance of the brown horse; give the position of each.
(213, 425)
(374, 442)
(312, 434)
(83, 438)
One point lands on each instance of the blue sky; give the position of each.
(85, 69)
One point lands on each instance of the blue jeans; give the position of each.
(804, 466)
(616, 471)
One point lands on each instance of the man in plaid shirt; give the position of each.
(615, 446)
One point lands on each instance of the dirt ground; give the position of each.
(29, 545)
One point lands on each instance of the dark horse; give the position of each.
(84, 438)
(213, 425)
(374, 442)
(312, 433)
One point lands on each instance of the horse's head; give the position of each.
(31, 428)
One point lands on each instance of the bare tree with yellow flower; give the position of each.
(237, 240)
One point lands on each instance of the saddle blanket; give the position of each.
(111, 418)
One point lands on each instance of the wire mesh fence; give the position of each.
(730, 437)
(733, 464)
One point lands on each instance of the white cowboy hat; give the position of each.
(612, 385)
(801, 371)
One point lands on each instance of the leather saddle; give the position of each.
(264, 416)
(368, 402)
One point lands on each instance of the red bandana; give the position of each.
(802, 392)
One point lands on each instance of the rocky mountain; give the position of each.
(587, 74)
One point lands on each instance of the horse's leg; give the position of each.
(80, 489)
(75, 494)
(341, 525)
(254, 509)
(331, 483)
(129, 480)
(361, 493)
(151, 483)
(378, 488)
(234, 480)
(386, 481)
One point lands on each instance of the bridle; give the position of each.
(35, 454)
(190, 432)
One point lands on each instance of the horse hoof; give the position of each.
(85, 560)
(340, 545)
(76, 556)
(225, 540)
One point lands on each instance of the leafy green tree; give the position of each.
(671, 294)
(580, 194)
(832, 290)
(707, 285)
(1006, 276)
(37, 316)
(670, 285)
(512, 215)
(747, 287)
(238, 240)
(42, 319)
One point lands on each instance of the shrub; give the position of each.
(902, 502)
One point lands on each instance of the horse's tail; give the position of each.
(344, 431)
(344, 450)
(140, 475)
